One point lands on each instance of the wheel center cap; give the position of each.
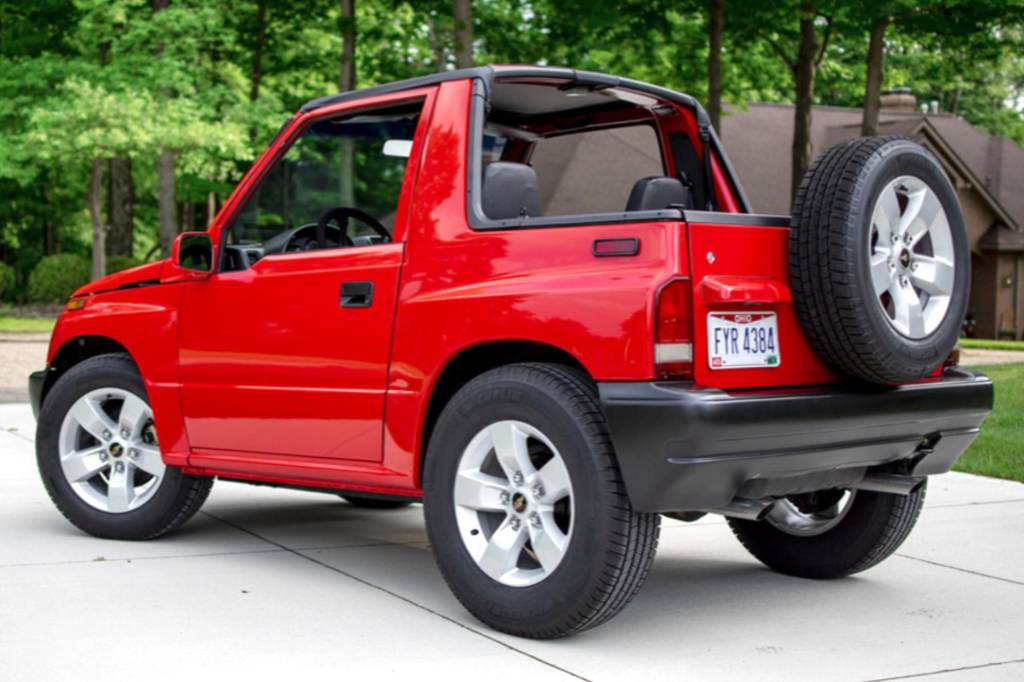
(905, 258)
(116, 449)
(519, 503)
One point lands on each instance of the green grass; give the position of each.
(991, 344)
(999, 450)
(11, 323)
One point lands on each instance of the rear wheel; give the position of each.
(525, 506)
(830, 533)
(99, 456)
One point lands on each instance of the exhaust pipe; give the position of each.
(892, 484)
(744, 508)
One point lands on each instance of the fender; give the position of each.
(143, 319)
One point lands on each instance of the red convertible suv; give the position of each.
(536, 300)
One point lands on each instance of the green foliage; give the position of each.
(118, 263)
(8, 282)
(56, 277)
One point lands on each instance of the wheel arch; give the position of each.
(473, 361)
(76, 350)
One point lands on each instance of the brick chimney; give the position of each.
(899, 99)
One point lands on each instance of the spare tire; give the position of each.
(878, 260)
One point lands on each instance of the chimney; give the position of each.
(899, 99)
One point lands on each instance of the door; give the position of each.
(285, 350)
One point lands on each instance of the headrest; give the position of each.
(510, 191)
(656, 193)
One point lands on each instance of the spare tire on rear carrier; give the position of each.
(878, 260)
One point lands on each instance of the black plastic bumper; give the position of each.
(35, 390)
(687, 448)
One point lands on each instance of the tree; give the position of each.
(716, 22)
(462, 12)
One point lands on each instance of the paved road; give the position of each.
(278, 584)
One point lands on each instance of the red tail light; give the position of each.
(673, 331)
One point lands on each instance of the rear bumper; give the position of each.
(35, 390)
(686, 448)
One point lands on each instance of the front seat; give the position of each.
(510, 191)
(658, 192)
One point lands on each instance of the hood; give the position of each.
(140, 275)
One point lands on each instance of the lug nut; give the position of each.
(504, 497)
(125, 433)
(904, 281)
(517, 478)
(913, 266)
(538, 491)
(514, 522)
(106, 434)
(535, 520)
(907, 238)
(133, 453)
(104, 457)
(895, 239)
(119, 466)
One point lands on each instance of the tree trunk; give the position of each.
(120, 209)
(256, 68)
(804, 71)
(347, 81)
(166, 200)
(437, 46)
(99, 230)
(873, 83)
(716, 14)
(463, 14)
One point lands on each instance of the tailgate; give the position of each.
(746, 334)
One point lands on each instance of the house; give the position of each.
(987, 171)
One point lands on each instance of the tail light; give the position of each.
(673, 331)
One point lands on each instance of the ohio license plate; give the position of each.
(738, 340)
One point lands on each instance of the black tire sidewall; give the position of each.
(545, 604)
(113, 371)
(904, 158)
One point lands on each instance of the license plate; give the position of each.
(738, 340)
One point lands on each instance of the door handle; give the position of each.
(356, 294)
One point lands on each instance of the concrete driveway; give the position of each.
(277, 584)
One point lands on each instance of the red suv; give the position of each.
(537, 300)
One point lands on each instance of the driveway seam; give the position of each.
(947, 670)
(962, 570)
(396, 595)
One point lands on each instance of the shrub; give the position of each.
(56, 277)
(8, 282)
(118, 263)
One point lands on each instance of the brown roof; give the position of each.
(759, 139)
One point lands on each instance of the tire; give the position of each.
(161, 503)
(374, 502)
(860, 319)
(874, 527)
(609, 546)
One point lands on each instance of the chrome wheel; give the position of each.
(812, 513)
(513, 503)
(911, 252)
(109, 452)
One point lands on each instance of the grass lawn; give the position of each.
(999, 450)
(11, 323)
(990, 344)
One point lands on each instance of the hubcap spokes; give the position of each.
(108, 450)
(911, 257)
(789, 518)
(513, 503)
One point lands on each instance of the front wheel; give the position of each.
(830, 533)
(525, 505)
(99, 457)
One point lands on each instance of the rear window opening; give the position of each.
(554, 151)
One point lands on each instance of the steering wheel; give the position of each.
(341, 215)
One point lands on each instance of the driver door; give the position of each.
(284, 351)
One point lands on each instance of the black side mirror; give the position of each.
(193, 251)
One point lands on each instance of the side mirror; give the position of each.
(192, 255)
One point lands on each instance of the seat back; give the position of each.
(657, 193)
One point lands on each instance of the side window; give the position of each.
(345, 173)
(594, 171)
